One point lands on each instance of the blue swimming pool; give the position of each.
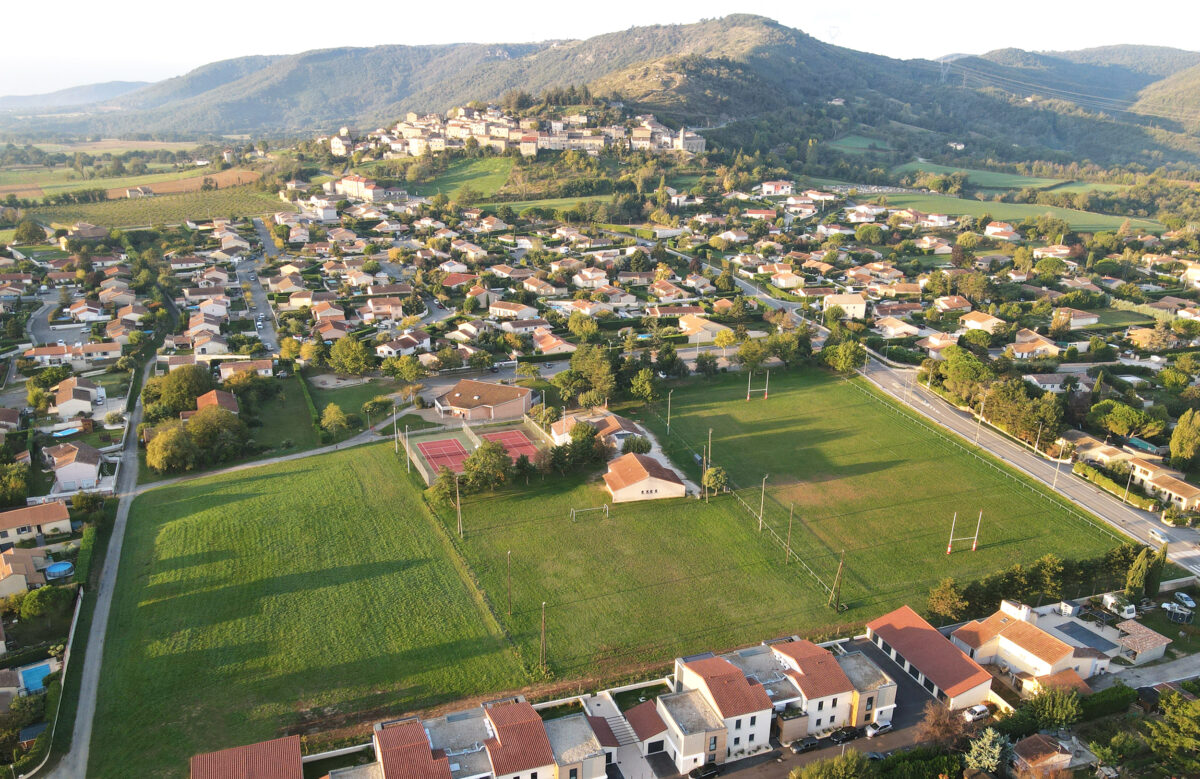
(33, 677)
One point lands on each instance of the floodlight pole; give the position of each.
(1039, 439)
(407, 451)
(1057, 463)
(978, 524)
(787, 553)
(979, 425)
(396, 434)
(749, 376)
(669, 394)
(510, 582)
(1128, 481)
(543, 636)
(458, 505)
(767, 386)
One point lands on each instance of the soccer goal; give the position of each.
(576, 512)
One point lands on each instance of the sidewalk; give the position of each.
(1183, 668)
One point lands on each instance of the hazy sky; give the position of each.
(139, 40)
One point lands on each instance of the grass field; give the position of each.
(1087, 186)
(6, 236)
(1113, 317)
(985, 179)
(485, 175)
(257, 601)
(166, 209)
(1084, 221)
(857, 144)
(352, 398)
(554, 202)
(868, 479)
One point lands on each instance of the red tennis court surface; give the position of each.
(514, 442)
(447, 452)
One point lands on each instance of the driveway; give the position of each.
(39, 326)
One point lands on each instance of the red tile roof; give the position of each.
(644, 720)
(932, 653)
(521, 743)
(733, 694)
(603, 732)
(276, 759)
(404, 752)
(632, 468)
(817, 673)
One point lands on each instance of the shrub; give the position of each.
(1113, 700)
(83, 561)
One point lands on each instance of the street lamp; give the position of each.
(669, 394)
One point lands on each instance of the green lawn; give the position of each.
(166, 209)
(6, 236)
(1087, 186)
(1085, 221)
(986, 179)
(553, 202)
(351, 398)
(253, 602)
(870, 480)
(485, 175)
(1114, 317)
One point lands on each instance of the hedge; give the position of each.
(1112, 700)
(23, 656)
(87, 548)
(1095, 476)
(308, 401)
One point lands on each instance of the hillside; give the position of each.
(1175, 99)
(739, 69)
(72, 96)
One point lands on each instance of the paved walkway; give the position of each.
(1173, 671)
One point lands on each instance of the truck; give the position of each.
(1117, 604)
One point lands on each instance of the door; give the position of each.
(654, 746)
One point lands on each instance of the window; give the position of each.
(533, 775)
(751, 739)
(737, 740)
(24, 529)
(737, 724)
(820, 705)
(834, 703)
(574, 773)
(712, 743)
(818, 722)
(752, 719)
(3, 534)
(870, 702)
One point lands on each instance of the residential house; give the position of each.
(1040, 755)
(1030, 658)
(504, 309)
(523, 326)
(610, 428)
(76, 466)
(470, 399)
(928, 657)
(1139, 644)
(74, 397)
(633, 477)
(410, 342)
(735, 713)
(264, 368)
(276, 759)
(935, 343)
(590, 278)
(218, 398)
(977, 320)
(891, 327)
(1076, 319)
(853, 305)
(86, 311)
(948, 304)
(1057, 251)
(546, 342)
(1049, 382)
(206, 343)
(27, 523)
(1030, 345)
(542, 288)
(699, 328)
(21, 569)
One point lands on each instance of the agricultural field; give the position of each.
(859, 144)
(165, 209)
(36, 182)
(1083, 221)
(115, 146)
(292, 594)
(982, 179)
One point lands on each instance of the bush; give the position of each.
(42, 745)
(83, 561)
(1113, 700)
(1097, 477)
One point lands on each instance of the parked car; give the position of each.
(976, 713)
(494, 368)
(876, 755)
(877, 728)
(802, 745)
(706, 771)
(1185, 599)
(842, 735)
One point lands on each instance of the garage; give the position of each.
(655, 746)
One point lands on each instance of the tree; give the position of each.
(289, 348)
(846, 357)
(1055, 708)
(14, 484)
(449, 357)
(1174, 738)
(1155, 571)
(850, 765)
(751, 355)
(406, 368)
(978, 340)
(1185, 440)
(1048, 570)
(582, 326)
(528, 370)
(217, 434)
(481, 360)
(715, 479)
(724, 340)
(46, 602)
(171, 449)
(488, 466)
(643, 386)
(1135, 578)
(377, 406)
(350, 356)
(313, 353)
(178, 390)
(706, 364)
(940, 725)
(946, 601)
(28, 231)
(334, 420)
(989, 751)
(635, 444)
(523, 468)
(442, 489)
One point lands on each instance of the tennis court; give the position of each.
(443, 453)
(515, 442)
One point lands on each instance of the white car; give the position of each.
(1185, 599)
(976, 713)
(877, 728)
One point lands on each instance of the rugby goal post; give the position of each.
(763, 389)
(973, 539)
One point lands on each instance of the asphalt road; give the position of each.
(39, 325)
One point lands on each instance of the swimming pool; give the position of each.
(33, 677)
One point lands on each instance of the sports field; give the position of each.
(868, 478)
(293, 593)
